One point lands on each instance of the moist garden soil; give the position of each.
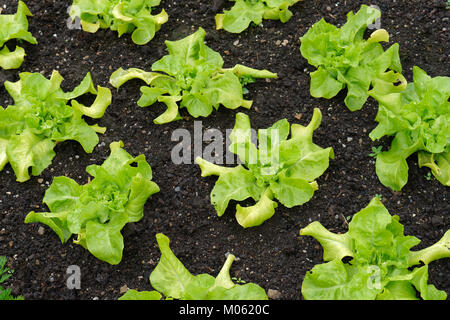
(272, 255)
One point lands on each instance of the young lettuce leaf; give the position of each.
(98, 211)
(418, 118)
(41, 117)
(193, 77)
(174, 281)
(244, 12)
(14, 26)
(280, 168)
(5, 274)
(382, 265)
(123, 16)
(345, 59)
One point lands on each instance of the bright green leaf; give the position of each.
(123, 16)
(98, 210)
(191, 76)
(41, 117)
(382, 264)
(278, 168)
(346, 60)
(245, 12)
(14, 26)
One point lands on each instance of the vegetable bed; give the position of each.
(272, 255)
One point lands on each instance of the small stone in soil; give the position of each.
(273, 294)
(123, 289)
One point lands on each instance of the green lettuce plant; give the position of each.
(14, 26)
(279, 168)
(5, 274)
(344, 59)
(123, 16)
(41, 117)
(97, 211)
(418, 118)
(174, 281)
(381, 264)
(244, 12)
(194, 77)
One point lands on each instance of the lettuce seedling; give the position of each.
(174, 281)
(41, 117)
(14, 26)
(418, 118)
(381, 264)
(244, 12)
(281, 168)
(123, 16)
(194, 78)
(98, 210)
(5, 274)
(345, 59)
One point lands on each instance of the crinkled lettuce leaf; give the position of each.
(191, 76)
(98, 211)
(344, 59)
(174, 281)
(123, 16)
(14, 26)
(245, 12)
(278, 168)
(418, 118)
(381, 264)
(41, 117)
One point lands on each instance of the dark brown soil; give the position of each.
(272, 255)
